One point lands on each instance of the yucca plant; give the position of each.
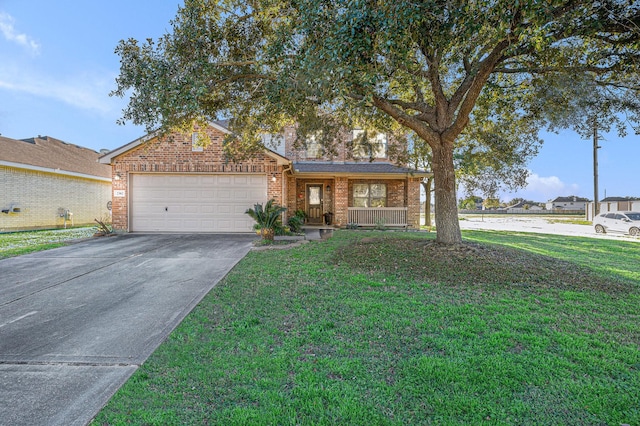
(267, 218)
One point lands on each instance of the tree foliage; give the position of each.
(469, 203)
(458, 75)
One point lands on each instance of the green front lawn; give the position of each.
(18, 243)
(372, 328)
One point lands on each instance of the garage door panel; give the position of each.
(195, 203)
(197, 210)
(225, 209)
(237, 210)
(191, 194)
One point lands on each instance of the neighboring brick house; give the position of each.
(170, 184)
(568, 203)
(48, 183)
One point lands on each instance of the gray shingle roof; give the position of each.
(608, 199)
(355, 168)
(51, 153)
(569, 199)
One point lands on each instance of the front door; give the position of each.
(314, 204)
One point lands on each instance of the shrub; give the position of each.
(103, 226)
(267, 218)
(295, 224)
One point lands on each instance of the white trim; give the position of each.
(108, 157)
(194, 143)
(54, 171)
(360, 175)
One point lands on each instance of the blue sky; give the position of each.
(57, 68)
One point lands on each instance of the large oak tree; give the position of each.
(453, 73)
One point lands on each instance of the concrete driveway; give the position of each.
(77, 321)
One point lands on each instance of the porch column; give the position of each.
(341, 201)
(413, 202)
(291, 199)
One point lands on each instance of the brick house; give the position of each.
(48, 183)
(172, 184)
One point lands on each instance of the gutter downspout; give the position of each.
(283, 190)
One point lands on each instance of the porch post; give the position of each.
(291, 199)
(341, 201)
(413, 202)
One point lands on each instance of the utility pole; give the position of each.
(596, 203)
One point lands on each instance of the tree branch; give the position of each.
(423, 130)
(415, 106)
(470, 96)
(547, 70)
(441, 101)
(239, 77)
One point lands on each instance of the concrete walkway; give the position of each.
(77, 321)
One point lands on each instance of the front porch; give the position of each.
(378, 216)
(362, 200)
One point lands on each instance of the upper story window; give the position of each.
(376, 147)
(196, 144)
(313, 147)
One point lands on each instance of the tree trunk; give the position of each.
(447, 225)
(427, 204)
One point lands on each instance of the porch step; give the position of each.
(317, 232)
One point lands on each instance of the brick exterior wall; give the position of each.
(39, 195)
(341, 201)
(401, 192)
(174, 154)
(341, 147)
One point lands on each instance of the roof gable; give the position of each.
(49, 153)
(217, 125)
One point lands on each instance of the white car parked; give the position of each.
(626, 222)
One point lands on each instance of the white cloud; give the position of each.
(543, 188)
(89, 92)
(9, 32)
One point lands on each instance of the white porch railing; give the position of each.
(378, 216)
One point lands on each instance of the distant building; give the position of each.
(615, 204)
(568, 203)
(48, 183)
(524, 207)
(619, 200)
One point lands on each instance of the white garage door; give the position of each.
(194, 203)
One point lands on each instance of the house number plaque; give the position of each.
(118, 193)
